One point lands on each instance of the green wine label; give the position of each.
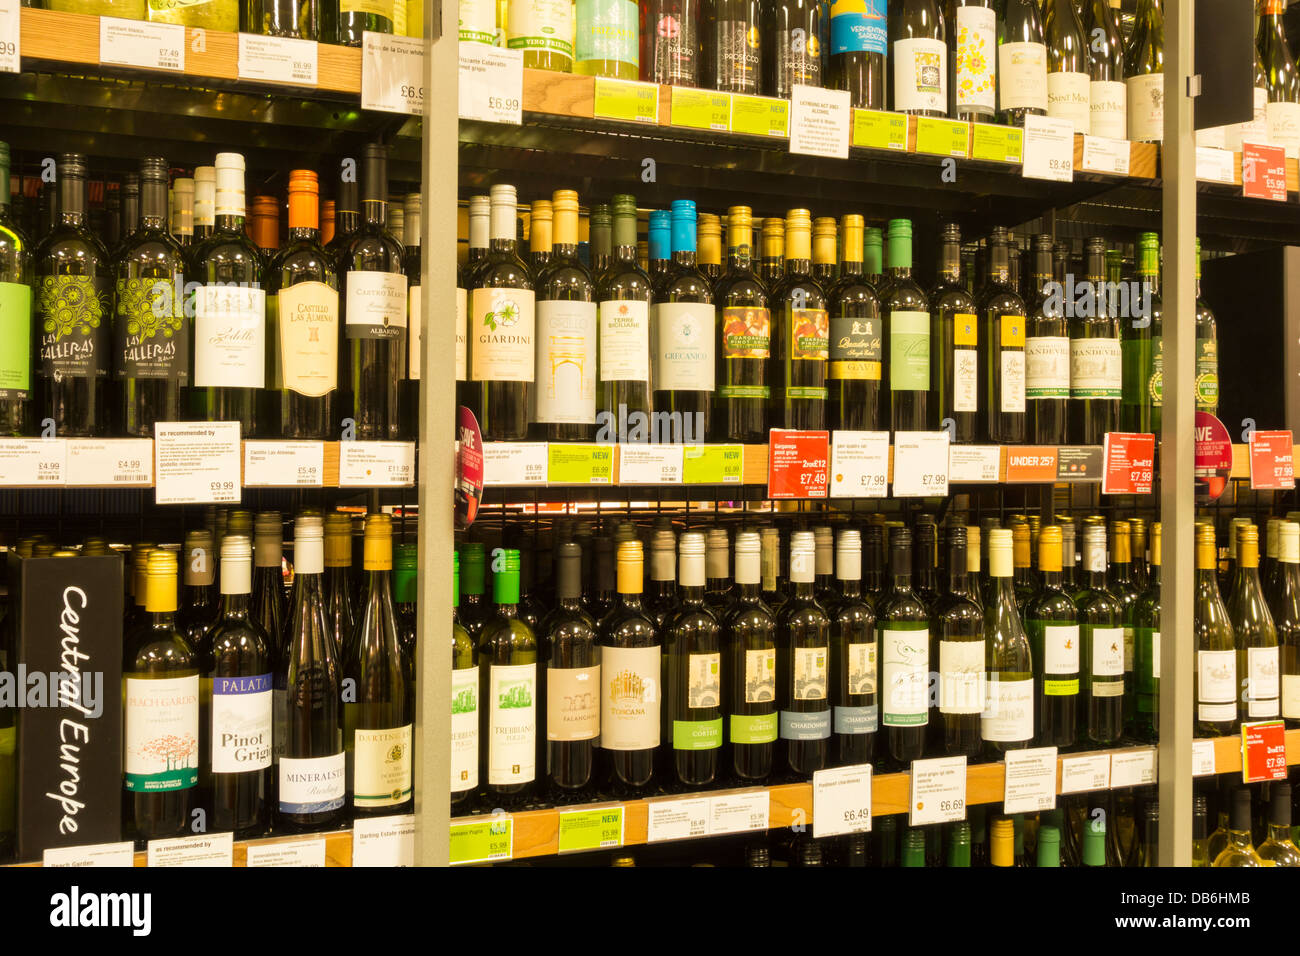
(607, 30)
(754, 728)
(746, 332)
(150, 331)
(697, 734)
(15, 341)
(1207, 375)
(74, 318)
(855, 348)
(909, 351)
(1156, 381)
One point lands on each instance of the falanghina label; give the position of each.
(150, 331)
(74, 319)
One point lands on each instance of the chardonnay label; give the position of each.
(862, 29)
(1060, 660)
(1008, 716)
(75, 327)
(862, 669)
(746, 332)
(150, 331)
(961, 677)
(1216, 698)
(1047, 367)
(512, 724)
(229, 337)
(607, 30)
(805, 725)
(1022, 76)
(376, 305)
(313, 784)
(566, 363)
(1013, 380)
(464, 729)
(810, 672)
(573, 703)
(478, 20)
(921, 75)
(501, 326)
(760, 676)
(308, 318)
(629, 698)
(703, 681)
(381, 766)
(854, 348)
(161, 746)
(15, 341)
(909, 351)
(241, 723)
(684, 337)
(977, 40)
(1291, 696)
(624, 341)
(1069, 98)
(1096, 367)
(1262, 685)
(1146, 107)
(905, 661)
(1283, 122)
(544, 25)
(1108, 109)
(738, 50)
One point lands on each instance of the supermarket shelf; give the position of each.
(1227, 752)
(338, 848)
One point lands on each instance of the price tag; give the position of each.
(938, 791)
(713, 464)
(873, 129)
(214, 849)
(1030, 780)
(1271, 461)
(1031, 463)
(1049, 149)
(940, 137)
(1203, 758)
(491, 83)
(819, 121)
(700, 109)
(974, 464)
(678, 819)
(149, 46)
(626, 100)
(370, 464)
(483, 841)
(1263, 751)
(1130, 462)
(842, 801)
(514, 463)
(115, 462)
(384, 841)
(580, 464)
(101, 854)
(196, 463)
(796, 464)
(33, 461)
(920, 464)
(997, 144)
(739, 812)
(859, 464)
(10, 39)
(650, 464)
(1102, 155)
(760, 115)
(1263, 172)
(590, 829)
(1216, 165)
(392, 74)
(309, 853)
(278, 59)
(1091, 772)
(1133, 768)
(284, 464)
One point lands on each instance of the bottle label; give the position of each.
(977, 40)
(961, 677)
(501, 327)
(1156, 383)
(739, 53)
(377, 8)
(313, 784)
(746, 332)
(810, 672)
(1283, 121)
(1022, 76)
(809, 336)
(573, 703)
(905, 659)
(1107, 656)
(382, 767)
(862, 669)
(464, 729)
(798, 59)
(1013, 380)
(1096, 367)
(541, 25)
(1217, 685)
(1068, 98)
(1262, 684)
(799, 725)
(1207, 374)
(512, 724)
(161, 746)
(75, 327)
(229, 337)
(462, 339)
(863, 29)
(965, 380)
(565, 390)
(279, 723)
(629, 698)
(673, 43)
(704, 682)
(241, 723)
(376, 305)
(854, 348)
(684, 335)
(1146, 107)
(1256, 131)
(1047, 367)
(697, 734)
(754, 728)
(478, 20)
(920, 75)
(760, 676)
(856, 720)
(1128, 650)
(15, 341)
(1061, 660)
(909, 352)
(1291, 696)
(1008, 716)
(307, 315)
(1108, 112)
(607, 30)
(624, 341)
(151, 341)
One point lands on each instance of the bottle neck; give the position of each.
(72, 200)
(950, 262)
(850, 587)
(235, 605)
(304, 234)
(1053, 579)
(749, 591)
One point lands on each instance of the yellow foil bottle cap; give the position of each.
(377, 545)
(160, 581)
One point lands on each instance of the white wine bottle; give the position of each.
(1256, 637)
(920, 55)
(1144, 64)
(1108, 106)
(1022, 63)
(1216, 655)
(1008, 719)
(1068, 80)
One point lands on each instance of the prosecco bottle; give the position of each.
(793, 37)
(736, 53)
(801, 335)
(954, 331)
(854, 369)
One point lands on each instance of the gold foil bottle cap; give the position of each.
(377, 554)
(338, 540)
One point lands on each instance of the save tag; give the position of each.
(491, 82)
(196, 463)
(938, 791)
(149, 46)
(1049, 149)
(278, 59)
(796, 464)
(1030, 784)
(392, 73)
(1130, 461)
(859, 464)
(1263, 172)
(1263, 751)
(842, 801)
(284, 464)
(819, 121)
(920, 464)
(1272, 466)
(369, 464)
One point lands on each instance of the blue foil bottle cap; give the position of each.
(660, 228)
(683, 225)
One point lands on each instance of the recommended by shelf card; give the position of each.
(483, 841)
(373, 463)
(819, 121)
(938, 791)
(997, 144)
(1263, 751)
(1216, 165)
(1030, 780)
(149, 46)
(1102, 155)
(650, 464)
(920, 464)
(284, 463)
(101, 854)
(1272, 466)
(384, 841)
(110, 462)
(1031, 463)
(1090, 772)
(1263, 172)
(309, 853)
(760, 115)
(580, 464)
(211, 849)
(10, 36)
(873, 129)
(1049, 149)
(626, 100)
(1203, 758)
(514, 463)
(859, 464)
(278, 59)
(674, 819)
(713, 464)
(842, 801)
(491, 83)
(796, 464)
(33, 461)
(594, 829)
(392, 74)
(1130, 464)
(941, 137)
(975, 464)
(196, 463)
(700, 109)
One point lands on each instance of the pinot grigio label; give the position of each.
(241, 723)
(312, 784)
(502, 326)
(229, 336)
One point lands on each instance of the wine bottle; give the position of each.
(1096, 358)
(1101, 635)
(1141, 568)
(1068, 78)
(182, 211)
(1104, 55)
(631, 698)
(464, 701)
(975, 580)
(750, 672)
(1022, 63)
(16, 309)
(161, 723)
(661, 601)
(1216, 660)
(354, 18)
(1122, 587)
(958, 645)
(907, 337)
(406, 574)
(683, 333)
(1007, 722)
(1254, 633)
(972, 42)
(1239, 851)
(1278, 848)
(1286, 615)
(572, 659)
(903, 623)
(268, 604)
(736, 60)
(1002, 843)
(1003, 313)
(1047, 354)
(475, 611)
(919, 50)
(541, 219)
(544, 31)
(954, 329)
(1207, 350)
(692, 660)
(1146, 650)
(858, 52)
(794, 42)
(600, 243)
(745, 333)
(1053, 625)
(774, 591)
(623, 332)
(198, 606)
(717, 570)
(925, 561)
(1200, 830)
(1142, 354)
(205, 199)
(129, 194)
(1144, 64)
(803, 667)
(708, 240)
(603, 594)
(771, 264)
(853, 371)
(853, 671)
(801, 335)
(606, 40)
(824, 588)
(1282, 112)
(671, 42)
(1024, 583)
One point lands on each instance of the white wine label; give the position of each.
(965, 380)
(1283, 121)
(1108, 652)
(501, 326)
(862, 669)
(811, 671)
(478, 21)
(703, 681)
(1262, 684)
(381, 761)
(308, 318)
(565, 390)
(905, 661)
(376, 305)
(976, 66)
(961, 677)
(760, 676)
(464, 729)
(1061, 649)
(229, 337)
(1069, 97)
(624, 341)
(573, 703)
(1022, 76)
(313, 784)
(1291, 696)
(1217, 672)
(1013, 380)
(684, 334)
(542, 25)
(1155, 654)
(512, 724)
(921, 75)
(1096, 368)
(462, 342)
(1008, 715)
(1108, 109)
(629, 698)
(241, 723)
(1129, 650)
(1047, 367)
(1146, 107)
(161, 749)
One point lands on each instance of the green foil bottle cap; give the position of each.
(1049, 846)
(404, 573)
(471, 582)
(1094, 842)
(914, 847)
(505, 581)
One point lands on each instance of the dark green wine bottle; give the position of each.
(745, 339)
(903, 623)
(692, 654)
(854, 693)
(958, 646)
(954, 332)
(853, 374)
(907, 335)
(1101, 637)
(1053, 625)
(803, 667)
(750, 667)
(507, 652)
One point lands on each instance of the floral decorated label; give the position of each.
(74, 319)
(150, 331)
(976, 69)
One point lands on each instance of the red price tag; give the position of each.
(1263, 172)
(1263, 751)
(1130, 461)
(1271, 465)
(797, 464)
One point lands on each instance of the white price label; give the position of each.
(650, 464)
(10, 37)
(392, 73)
(1216, 165)
(196, 463)
(678, 819)
(149, 46)
(842, 801)
(215, 849)
(284, 464)
(111, 463)
(384, 841)
(1103, 155)
(491, 84)
(33, 461)
(1030, 780)
(514, 463)
(367, 464)
(278, 59)
(1049, 149)
(1090, 772)
(1133, 768)
(309, 853)
(100, 854)
(974, 464)
(938, 791)
(820, 121)
(920, 464)
(1203, 758)
(739, 812)
(859, 464)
